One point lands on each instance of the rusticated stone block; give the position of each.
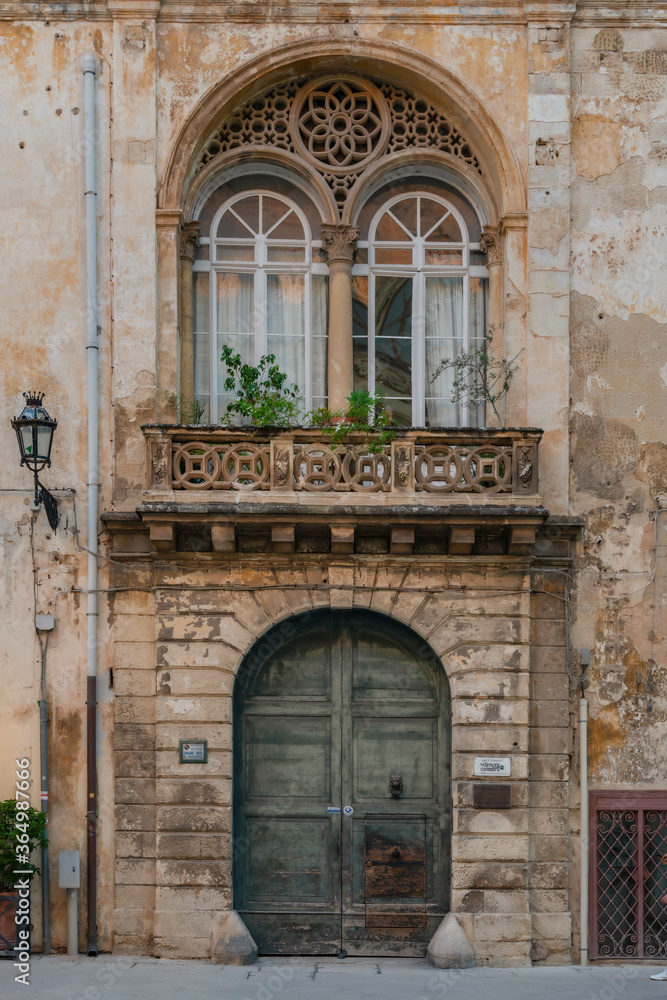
(137, 923)
(490, 711)
(135, 871)
(549, 848)
(136, 683)
(550, 713)
(135, 791)
(135, 897)
(548, 659)
(168, 734)
(550, 687)
(505, 901)
(488, 821)
(133, 602)
(556, 741)
(135, 817)
(197, 654)
(184, 873)
(194, 681)
(135, 710)
(200, 846)
(180, 947)
(553, 926)
(200, 708)
(548, 767)
(508, 848)
(167, 765)
(548, 875)
(549, 822)
(207, 628)
(547, 632)
(134, 655)
(134, 628)
(489, 740)
(186, 923)
(551, 900)
(195, 819)
(192, 897)
(489, 875)
(129, 736)
(502, 927)
(133, 764)
(190, 791)
(549, 794)
(135, 845)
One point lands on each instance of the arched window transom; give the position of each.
(258, 291)
(420, 301)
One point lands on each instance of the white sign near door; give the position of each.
(491, 766)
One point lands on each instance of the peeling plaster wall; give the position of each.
(618, 354)
(42, 289)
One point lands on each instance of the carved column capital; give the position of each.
(188, 240)
(491, 244)
(340, 242)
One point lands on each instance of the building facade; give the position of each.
(378, 652)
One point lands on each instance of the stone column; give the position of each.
(189, 237)
(340, 242)
(491, 244)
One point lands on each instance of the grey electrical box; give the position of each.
(69, 870)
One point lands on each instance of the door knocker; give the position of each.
(396, 785)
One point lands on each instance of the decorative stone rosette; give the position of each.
(340, 125)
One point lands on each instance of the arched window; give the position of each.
(420, 300)
(258, 290)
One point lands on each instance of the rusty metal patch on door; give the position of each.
(395, 870)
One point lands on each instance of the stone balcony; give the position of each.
(457, 492)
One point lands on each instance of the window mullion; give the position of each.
(213, 348)
(419, 350)
(466, 343)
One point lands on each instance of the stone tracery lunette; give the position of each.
(339, 126)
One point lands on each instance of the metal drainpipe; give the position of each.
(92, 351)
(583, 831)
(44, 797)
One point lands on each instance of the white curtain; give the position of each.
(285, 324)
(444, 338)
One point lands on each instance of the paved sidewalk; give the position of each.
(124, 978)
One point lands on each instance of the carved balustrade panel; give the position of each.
(443, 468)
(503, 462)
(197, 465)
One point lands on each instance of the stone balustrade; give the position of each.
(436, 462)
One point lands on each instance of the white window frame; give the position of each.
(419, 271)
(261, 268)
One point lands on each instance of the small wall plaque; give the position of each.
(491, 795)
(193, 751)
(490, 767)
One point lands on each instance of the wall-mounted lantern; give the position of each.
(34, 432)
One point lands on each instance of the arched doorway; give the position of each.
(341, 787)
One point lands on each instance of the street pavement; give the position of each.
(117, 977)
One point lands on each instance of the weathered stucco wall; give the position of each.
(619, 389)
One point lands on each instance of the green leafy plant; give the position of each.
(479, 376)
(31, 834)
(263, 394)
(190, 411)
(366, 414)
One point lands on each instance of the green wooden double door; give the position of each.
(342, 788)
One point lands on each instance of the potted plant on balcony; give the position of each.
(263, 396)
(365, 414)
(14, 833)
(480, 377)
